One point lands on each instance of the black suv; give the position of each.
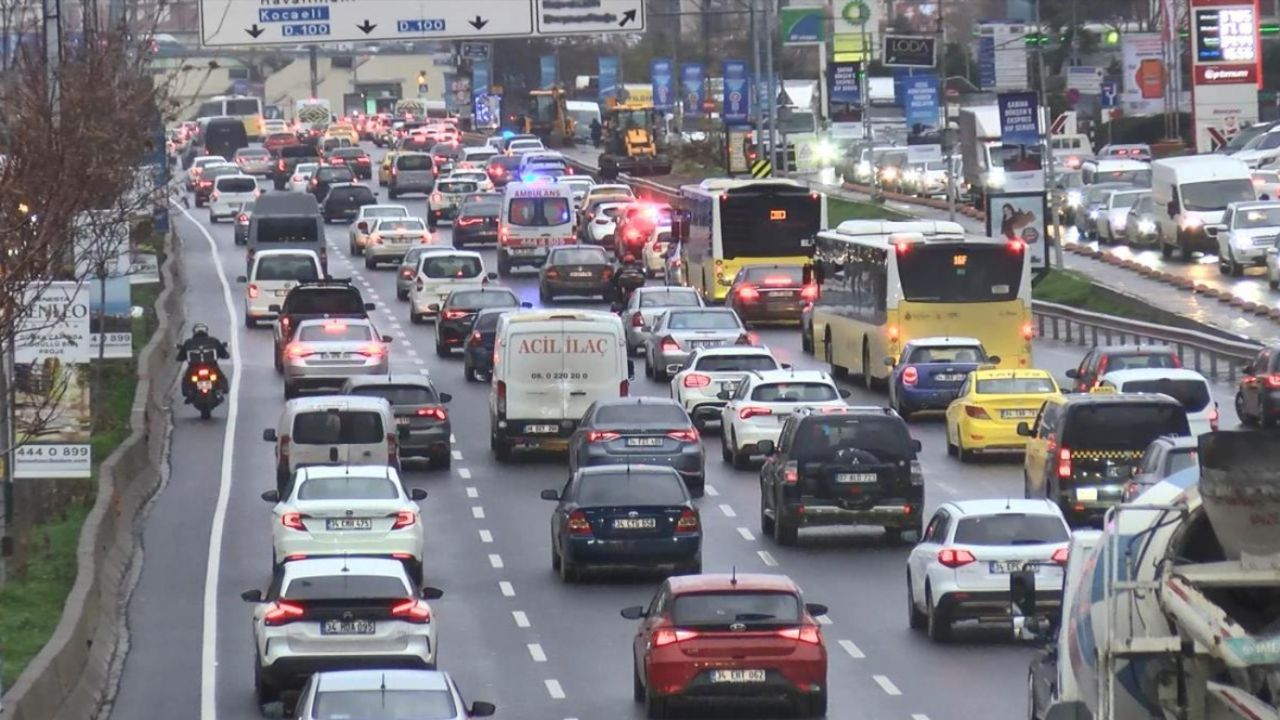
(332, 298)
(343, 201)
(287, 159)
(842, 466)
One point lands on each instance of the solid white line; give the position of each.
(477, 512)
(746, 534)
(464, 473)
(495, 560)
(507, 590)
(767, 557)
(457, 455)
(471, 492)
(728, 510)
(486, 536)
(886, 684)
(854, 651)
(553, 689)
(711, 491)
(213, 566)
(824, 620)
(535, 652)
(521, 619)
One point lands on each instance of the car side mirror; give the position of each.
(434, 307)
(993, 359)
(417, 494)
(1073, 373)
(432, 593)
(446, 398)
(845, 393)
(526, 305)
(273, 308)
(550, 495)
(482, 709)
(271, 496)
(1024, 429)
(386, 339)
(492, 276)
(786, 366)
(253, 596)
(815, 609)
(269, 435)
(635, 612)
(370, 306)
(241, 279)
(722, 395)
(765, 447)
(889, 361)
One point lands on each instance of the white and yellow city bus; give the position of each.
(746, 222)
(245, 107)
(882, 284)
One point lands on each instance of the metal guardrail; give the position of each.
(1207, 354)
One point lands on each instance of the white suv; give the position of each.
(272, 275)
(761, 403)
(439, 273)
(960, 568)
(230, 193)
(357, 510)
(712, 372)
(322, 613)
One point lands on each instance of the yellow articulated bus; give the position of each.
(746, 222)
(245, 107)
(882, 284)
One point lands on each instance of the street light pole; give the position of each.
(755, 73)
(1048, 137)
(773, 91)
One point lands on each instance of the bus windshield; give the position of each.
(769, 222)
(960, 274)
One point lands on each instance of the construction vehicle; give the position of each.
(549, 117)
(630, 145)
(1172, 611)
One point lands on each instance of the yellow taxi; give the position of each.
(984, 416)
(344, 131)
(384, 168)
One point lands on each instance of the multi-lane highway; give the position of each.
(510, 632)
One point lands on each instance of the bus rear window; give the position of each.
(243, 107)
(955, 274)
(767, 223)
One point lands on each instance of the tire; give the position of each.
(965, 456)
(648, 367)
(637, 688)
(442, 462)
(544, 295)
(555, 558)
(867, 380)
(442, 350)
(699, 490)
(415, 317)
(392, 194)
(504, 266)
(806, 341)
(568, 571)
(660, 374)
(740, 460)
(263, 692)
(290, 392)
(785, 533)
(829, 356)
(1245, 419)
(951, 447)
(813, 705)
(469, 374)
(1275, 284)
(282, 480)
(766, 522)
(1166, 250)
(656, 708)
(937, 625)
(369, 263)
(916, 619)
(402, 295)
(206, 413)
(693, 568)
(893, 536)
(249, 322)
(432, 222)
(501, 450)
(725, 454)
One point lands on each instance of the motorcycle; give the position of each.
(203, 381)
(628, 276)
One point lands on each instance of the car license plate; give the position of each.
(737, 676)
(348, 524)
(1017, 414)
(402, 421)
(542, 429)
(780, 293)
(861, 478)
(1004, 567)
(948, 377)
(729, 387)
(644, 442)
(635, 523)
(347, 627)
(1087, 494)
(580, 274)
(204, 386)
(281, 293)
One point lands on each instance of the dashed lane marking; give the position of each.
(506, 589)
(728, 510)
(824, 620)
(464, 473)
(521, 619)
(553, 689)
(712, 491)
(854, 651)
(420, 361)
(919, 716)
(535, 652)
(767, 558)
(457, 455)
(486, 536)
(886, 684)
(495, 560)
(471, 492)
(746, 534)
(477, 512)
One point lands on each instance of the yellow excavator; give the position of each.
(549, 118)
(629, 141)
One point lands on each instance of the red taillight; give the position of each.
(465, 221)
(1064, 463)
(688, 435)
(597, 436)
(411, 610)
(404, 519)
(280, 165)
(696, 380)
(552, 273)
(975, 412)
(624, 388)
(298, 350)
(407, 273)
(791, 473)
(433, 412)
(910, 375)
(1028, 331)
(751, 411)
(1273, 381)
(668, 636)
(748, 293)
(242, 219)
(372, 350)
(1061, 555)
(578, 523)
(688, 522)
(669, 344)
(282, 612)
(253, 292)
(454, 314)
(809, 293)
(436, 197)
(954, 558)
(292, 520)
(745, 339)
(804, 633)
(362, 160)
(1214, 416)
(475, 340)
(202, 372)
(637, 319)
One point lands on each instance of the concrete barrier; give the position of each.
(72, 676)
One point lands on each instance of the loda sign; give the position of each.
(909, 51)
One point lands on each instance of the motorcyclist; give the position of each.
(202, 349)
(627, 276)
(596, 132)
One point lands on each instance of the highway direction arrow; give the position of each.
(228, 23)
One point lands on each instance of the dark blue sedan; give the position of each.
(624, 516)
(931, 370)
(477, 352)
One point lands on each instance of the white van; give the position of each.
(1190, 195)
(1100, 170)
(271, 276)
(440, 273)
(549, 366)
(536, 216)
(334, 430)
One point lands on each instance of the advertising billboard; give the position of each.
(1145, 74)
(1020, 141)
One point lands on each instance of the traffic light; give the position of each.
(1111, 37)
(1037, 38)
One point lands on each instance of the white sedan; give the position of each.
(712, 375)
(352, 509)
(479, 177)
(763, 401)
(960, 568)
(301, 177)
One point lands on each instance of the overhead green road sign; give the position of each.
(803, 25)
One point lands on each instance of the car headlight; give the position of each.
(995, 177)
(911, 176)
(1073, 198)
(1240, 241)
(1093, 214)
(1146, 227)
(824, 151)
(889, 173)
(1191, 222)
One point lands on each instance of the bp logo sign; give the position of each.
(855, 12)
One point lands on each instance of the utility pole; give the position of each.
(755, 73)
(1043, 110)
(773, 91)
(945, 134)
(53, 58)
(315, 73)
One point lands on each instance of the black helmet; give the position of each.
(199, 330)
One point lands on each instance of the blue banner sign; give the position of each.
(609, 81)
(547, 67)
(480, 77)
(1020, 141)
(692, 89)
(737, 92)
(660, 74)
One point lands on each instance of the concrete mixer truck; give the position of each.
(1172, 612)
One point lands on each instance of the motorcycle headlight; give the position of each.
(1073, 198)
(1093, 214)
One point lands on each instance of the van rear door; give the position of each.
(590, 366)
(533, 369)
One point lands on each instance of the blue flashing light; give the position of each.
(507, 134)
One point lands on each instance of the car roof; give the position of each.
(736, 582)
(415, 379)
(627, 468)
(343, 565)
(639, 400)
(734, 350)
(997, 373)
(1145, 349)
(765, 376)
(312, 322)
(383, 206)
(353, 680)
(312, 472)
(1114, 398)
(944, 341)
(342, 402)
(1000, 506)
(276, 252)
(1255, 204)
(682, 289)
(1121, 376)
(1180, 441)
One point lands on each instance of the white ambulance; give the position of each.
(536, 216)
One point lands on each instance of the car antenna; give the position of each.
(344, 563)
(382, 686)
(1007, 502)
(733, 576)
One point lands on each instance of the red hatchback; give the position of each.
(726, 637)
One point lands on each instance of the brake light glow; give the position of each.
(977, 413)
(668, 636)
(805, 634)
(637, 320)
(748, 293)
(696, 380)
(372, 350)
(751, 411)
(298, 350)
(578, 523)
(292, 520)
(1064, 463)
(778, 281)
(791, 473)
(1028, 331)
(412, 610)
(624, 388)
(404, 519)
(809, 293)
(465, 221)
(433, 412)
(910, 375)
(669, 344)
(687, 435)
(596, 436)
(688, 522)
(282, 612)
(1273, 381)
(454, 314)
(954, 557)
(1061, 555)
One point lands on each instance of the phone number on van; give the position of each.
(560, 376)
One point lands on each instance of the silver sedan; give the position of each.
(644, 306)
(324, 353)
(676, 333)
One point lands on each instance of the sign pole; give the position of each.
(1048, 141)
(945, 133)
(758, 136)
(773, 97)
